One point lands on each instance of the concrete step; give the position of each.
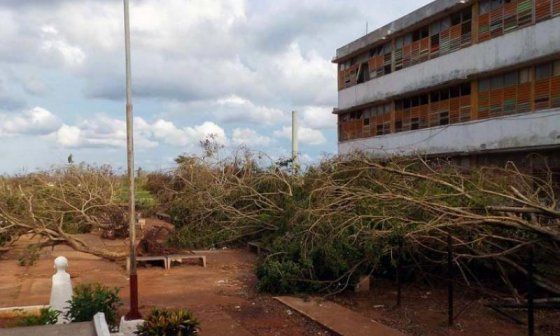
(72, 329)
(337, 318)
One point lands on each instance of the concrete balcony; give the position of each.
(514, 48)
(533, 130)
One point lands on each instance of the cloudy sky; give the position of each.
(231, 68)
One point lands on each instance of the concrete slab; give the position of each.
(337, 318)
(73, 329)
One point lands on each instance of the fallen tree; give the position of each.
(348, 216)
(57, 205)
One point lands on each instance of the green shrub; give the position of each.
(90, 299)
(169, 323)
(46, 316)
(29, 256)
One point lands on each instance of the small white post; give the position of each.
(61, 291)
(295, 147)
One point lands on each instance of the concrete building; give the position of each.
(477, 81)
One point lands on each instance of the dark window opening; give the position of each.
(444, 118)
(363, 76)
(398, 126)
(434, 96)
(544, 71)
(455, 92)
(414, 123)
(465, 89)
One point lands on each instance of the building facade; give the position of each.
(472, 80)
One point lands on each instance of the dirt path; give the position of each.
(221, 295)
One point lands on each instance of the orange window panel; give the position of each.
(510, 15)
(496, 103)
(542, 94)
(341, 79)
(524, 12)
(524, 97)
(407, 52)
(555, 7)
(424, 48)
(433, 114)
(423, 111)
(555, 91)
(510, 100)
(465, 108)
(484, 105)
(496, 22)
(454, 109)
(444, 41)
(484, 27)
(406, 119)
(371, 63)
(345, 131)
(399, 124)
(543, 10)
(455, 37)
(360, 128)
(415, 52)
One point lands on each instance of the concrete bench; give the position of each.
(256, 247)
(145, 259)
(163, 216)
(182, 257)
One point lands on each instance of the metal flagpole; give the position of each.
(133, 314)
(295, 144)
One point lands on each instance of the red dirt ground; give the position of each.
(221, 295)
(423, 312)
(224, 299)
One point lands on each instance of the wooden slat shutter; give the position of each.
(465, 109)
(555, 91)
(496, 102)
(455, 38)
(454, 109)
(555, 7)
(524, 12)
(423, 115)
(435, 108)
(484, 27)
(483, 104)
(510, 16)
(424, 49)
(542, 94)
(497, 22)
(510, 100)
(543, 10)
(524, 97)
(407, 52)
(444, 42)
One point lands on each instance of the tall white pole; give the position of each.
(133, 314)
(295, 146)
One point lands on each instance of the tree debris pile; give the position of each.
(57, 204)
(346, 217)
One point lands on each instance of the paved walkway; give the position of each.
(337, 318)
(72, 329)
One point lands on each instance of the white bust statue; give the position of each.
(61, 291)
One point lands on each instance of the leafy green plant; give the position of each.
(29, 256)
(90, 299)
(46, 316)
(169, 323)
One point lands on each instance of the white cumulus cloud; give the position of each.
(36, 121)
(306, 135)
(249, 137)
(103, 131)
